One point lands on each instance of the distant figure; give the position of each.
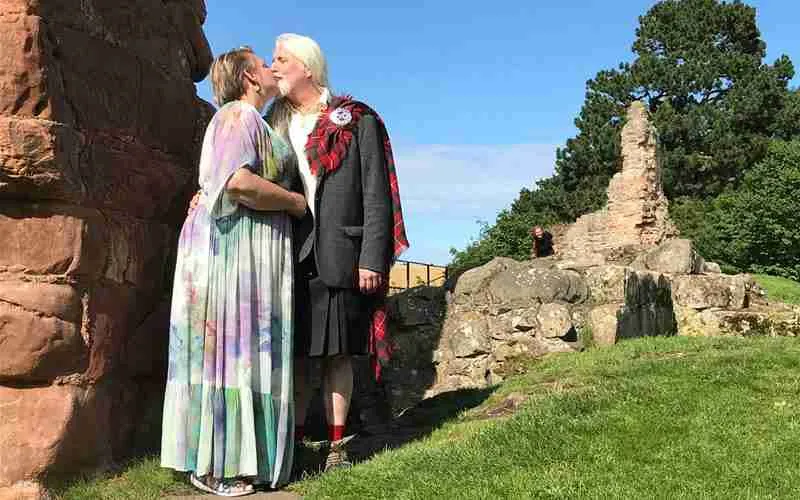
(542, 243)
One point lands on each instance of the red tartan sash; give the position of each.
(326, 148)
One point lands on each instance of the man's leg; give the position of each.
(338, 390)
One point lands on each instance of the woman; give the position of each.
(228, 406)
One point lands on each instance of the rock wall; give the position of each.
(100, 130)
(636, 215)
(508, 309)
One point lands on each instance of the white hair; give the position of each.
(309, 53)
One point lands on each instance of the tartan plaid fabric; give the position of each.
(326, 148)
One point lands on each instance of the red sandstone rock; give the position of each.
(51, 430)
(51, 239)
(40, 160)
(100, 131)
(36, 348)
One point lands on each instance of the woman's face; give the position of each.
(261, 74)
(289, 70)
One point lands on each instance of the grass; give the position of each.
(657, 418)
(140, 480)
(777, 288)
(651, 418)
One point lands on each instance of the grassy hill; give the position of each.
(650, 418)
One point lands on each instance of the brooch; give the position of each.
(341, 117)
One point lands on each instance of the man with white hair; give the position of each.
(353, 232)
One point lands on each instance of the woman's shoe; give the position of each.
(224, 488)
(234, 488)
(201, 484)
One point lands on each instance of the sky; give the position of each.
(476, 96)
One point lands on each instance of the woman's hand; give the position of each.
(369, 281)
(299, 210)
(193, 203)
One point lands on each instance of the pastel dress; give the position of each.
(228, 408)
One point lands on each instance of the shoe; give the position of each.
(234, 488)
(200, 483)
(337, 456)
(224, 488)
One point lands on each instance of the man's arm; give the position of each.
(376, 242)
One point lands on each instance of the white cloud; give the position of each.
(446, 188)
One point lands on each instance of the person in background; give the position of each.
(542, 243)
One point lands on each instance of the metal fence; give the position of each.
(408, 274)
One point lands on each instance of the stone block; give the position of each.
(51, 430)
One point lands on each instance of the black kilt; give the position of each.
(328, 321)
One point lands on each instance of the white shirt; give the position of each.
(300, 127)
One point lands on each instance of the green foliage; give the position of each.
(754, 228)
(714, 101)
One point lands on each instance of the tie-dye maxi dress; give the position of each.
(228, 407)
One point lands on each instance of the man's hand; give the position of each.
(193, 204)
(369, 281)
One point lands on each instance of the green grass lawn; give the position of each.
(650, 418)
(140, 480)
(777, 288)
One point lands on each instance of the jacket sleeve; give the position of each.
(377, 237)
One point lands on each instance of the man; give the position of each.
(351, 235)
(542, 243)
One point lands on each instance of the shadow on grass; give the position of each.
(411, 425)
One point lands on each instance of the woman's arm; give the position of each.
(257, 193)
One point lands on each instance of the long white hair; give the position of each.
(310, 54)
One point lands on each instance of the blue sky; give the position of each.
(476, 95)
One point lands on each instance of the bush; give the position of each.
(754, 228)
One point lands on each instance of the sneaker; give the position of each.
(337, 456)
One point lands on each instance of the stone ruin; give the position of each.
(100, 130)
(618, 273)
(636, 216)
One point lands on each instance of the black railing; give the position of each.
(426, 278)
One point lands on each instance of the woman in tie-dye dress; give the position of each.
(228, 408)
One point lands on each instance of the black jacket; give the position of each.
(353, 224)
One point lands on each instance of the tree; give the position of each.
(699, 68)
(754, 228)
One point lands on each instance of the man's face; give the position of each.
(290, 72)
(538, 233)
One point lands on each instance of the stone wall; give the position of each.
(100, 130)
(508, 309)
(636, 215)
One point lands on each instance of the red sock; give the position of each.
(299, 432)
(335, 432)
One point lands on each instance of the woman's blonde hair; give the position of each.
(227, 74)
